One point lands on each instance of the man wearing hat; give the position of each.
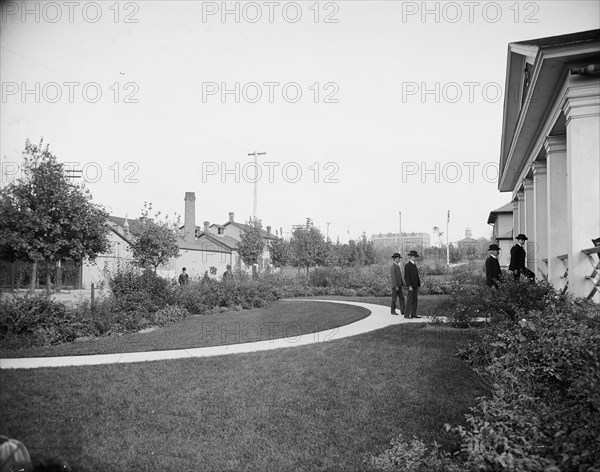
(411, 276)
(517, 258)
(397, 284)
(493, 274)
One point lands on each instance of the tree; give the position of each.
(280, 253)
(156, 243)
(44, 216)
(252, 244)
(308, 247)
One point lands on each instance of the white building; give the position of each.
(550, 156)
(502, 221)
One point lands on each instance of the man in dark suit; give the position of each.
(411, 277)
(517, 259)
(493, 274)
(397, 284)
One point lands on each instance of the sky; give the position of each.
(365, 109)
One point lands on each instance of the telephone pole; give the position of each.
(400, 232)
(256, 154)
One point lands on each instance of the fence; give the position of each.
(17, 275)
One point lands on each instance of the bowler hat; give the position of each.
(396, 254)
(413, 253)
(494, 247)
(521, 236)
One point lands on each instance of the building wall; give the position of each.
(119, 253)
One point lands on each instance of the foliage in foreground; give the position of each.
(540, 355)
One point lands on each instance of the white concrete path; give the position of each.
(380, 317)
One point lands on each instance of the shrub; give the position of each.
(136, 290)
(545, 374)
(169, 314)
(413, 456)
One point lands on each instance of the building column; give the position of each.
(558, 237)
(582, 111)
(529, 224)
(540, 212)
(515, 226)
(521, 221)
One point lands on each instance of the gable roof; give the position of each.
(507, 208)
(245, 227)
(536, 69)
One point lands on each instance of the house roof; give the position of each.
(507, 208)
(244, 227)
(536, 68)
(135, 225)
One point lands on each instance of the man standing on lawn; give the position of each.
(397, 284)
(411, 276)
(493, 274)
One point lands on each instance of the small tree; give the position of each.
(280, 253)
(252, 244)
(308, 247)
(156, 243)
(44, 216)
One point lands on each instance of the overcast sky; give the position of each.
(365, 109)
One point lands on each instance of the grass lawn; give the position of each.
(321, 407)
(281, 319)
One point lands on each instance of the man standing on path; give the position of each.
(397, 284)
(411, 276)
(493, 274)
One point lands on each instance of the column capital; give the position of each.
(539, 168)
(528, 184)
(515, 204)
(582, 102)
(520, 196)
(555, 144)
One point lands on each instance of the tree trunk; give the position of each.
(34, 275)
(48, 276)
(58, 275)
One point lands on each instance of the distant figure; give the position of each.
(411, 277)
(397, 284)
(184, 278)
(493, 273)
(517, 259)
(227, 275)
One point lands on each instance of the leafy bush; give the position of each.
(139, 291)
(413, 456)
(37, 320)
(511, 301)
(545, 374)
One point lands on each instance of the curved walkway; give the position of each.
(380, 317)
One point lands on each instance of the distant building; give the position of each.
(408, 241)
(469, 246)
(550, 156)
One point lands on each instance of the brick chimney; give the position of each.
(206, 227)
(189, 222)
(231, 217)
(268, 230)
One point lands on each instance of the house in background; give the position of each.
(550, 156)
(502, 221)
(212, 246)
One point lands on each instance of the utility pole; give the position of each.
(400, 232)
(256, 154)
(328, 230)
(447, 246)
